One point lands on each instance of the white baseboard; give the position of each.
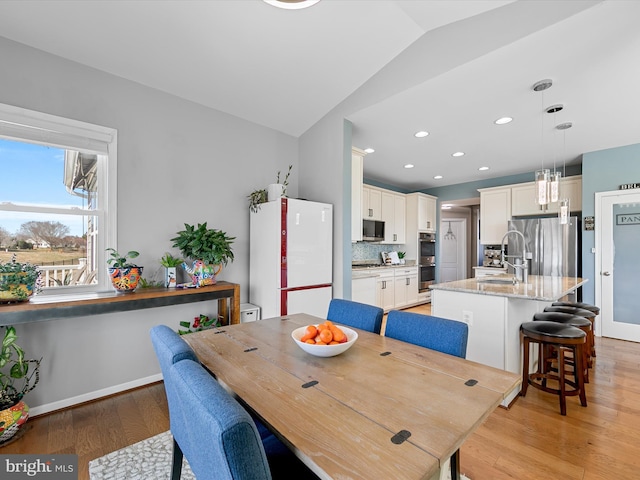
(86, 397)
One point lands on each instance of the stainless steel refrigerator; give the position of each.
(552, 249)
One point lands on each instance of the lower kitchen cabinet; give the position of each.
(405, 287)
(387, 288)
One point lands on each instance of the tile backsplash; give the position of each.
(371, 251)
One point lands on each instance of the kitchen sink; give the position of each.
(498, 281)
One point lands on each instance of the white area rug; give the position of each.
(149, 459)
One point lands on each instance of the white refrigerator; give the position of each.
(291, 257)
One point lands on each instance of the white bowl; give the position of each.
(325, 350)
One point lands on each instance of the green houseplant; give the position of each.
(277, 189)
(209, 248)
(170, 264)
(124, 274)
(18, 376)
(18, 281)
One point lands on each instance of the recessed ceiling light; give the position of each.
(564, 126)
(292, 4)
(457, 154)
(421, 134)
(554, 108)
(409, 165)
(369, 150)
(438, 177)
(503, 120)
(446, 207)
(482, 169)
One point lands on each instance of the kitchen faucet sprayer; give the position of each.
(517, 267)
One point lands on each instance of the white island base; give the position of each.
(494, 314)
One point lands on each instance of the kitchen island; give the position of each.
(494, 308)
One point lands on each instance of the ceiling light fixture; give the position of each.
(457, 154)
(503, 120)
(438, 177)
(421, 134)
(563, 211)
(554, 108)
(542, 176)
(409, 165)
(292, 4)
(482, 169)
(369, 150)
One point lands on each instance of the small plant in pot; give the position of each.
(170, 264)
(18, 376)
(18, 281)
(124, 274)
(210, 250)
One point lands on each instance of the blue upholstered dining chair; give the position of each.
(354, 314)
(441, 334)
(216, 434)
(170, 349)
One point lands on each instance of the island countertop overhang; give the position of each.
(544, 288)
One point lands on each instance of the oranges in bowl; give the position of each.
(324, 339)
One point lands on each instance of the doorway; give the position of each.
(453, 247)
(617, 263)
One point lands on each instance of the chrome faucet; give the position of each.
(521, 269)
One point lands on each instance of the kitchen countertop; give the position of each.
(367, 270)
(538, 287)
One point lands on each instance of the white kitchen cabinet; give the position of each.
(394, 217)
(385, 290)
(363, 290)
(371, 203)
(357, 162)
(495, 213)
(427, 212)
(405, 286)
(523, 197)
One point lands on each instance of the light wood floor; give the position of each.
(529, 441)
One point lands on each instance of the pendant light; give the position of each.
(555, 176)
(542, 176)
(449, 235)
(564, 204)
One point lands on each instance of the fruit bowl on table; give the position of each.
(325, 350)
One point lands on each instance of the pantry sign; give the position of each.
(628, 219)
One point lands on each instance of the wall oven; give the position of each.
(427, 261)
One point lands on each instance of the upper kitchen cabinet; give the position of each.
(421, 212)
(394, 217)
(357, 163)
(523, 197)
(495, 213)
(371, 203)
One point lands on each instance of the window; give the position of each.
(57, 198)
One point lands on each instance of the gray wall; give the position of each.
(177, 162)
(603, 171)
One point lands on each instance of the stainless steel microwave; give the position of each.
(372, 231)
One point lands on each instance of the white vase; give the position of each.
(275, 191)
(170, 277)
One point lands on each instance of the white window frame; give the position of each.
(36, 127)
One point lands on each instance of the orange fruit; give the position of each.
(338, 334)
(311, 341)
(309, 333)
(325, 335)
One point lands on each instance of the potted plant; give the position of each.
(18, 281)
(210, 250)
(124, 274)
(256, 198)
(18, 376)
(401, 256)
(272, 192)
(170, 263)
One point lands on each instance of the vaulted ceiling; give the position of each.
(393, 67)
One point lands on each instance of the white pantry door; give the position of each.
(618, 268)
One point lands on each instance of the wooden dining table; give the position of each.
(382, 409)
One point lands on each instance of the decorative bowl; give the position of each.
(325, 350)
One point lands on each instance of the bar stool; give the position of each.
(575, 321)
(585, 306)
(583, 312)
(563, 338)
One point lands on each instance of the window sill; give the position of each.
(43, 308)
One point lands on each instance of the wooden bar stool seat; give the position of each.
(575, 321)
(583, 312)
(564, 338)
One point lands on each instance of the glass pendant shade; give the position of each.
(554, 186)
(542, 186)
(563, 211)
